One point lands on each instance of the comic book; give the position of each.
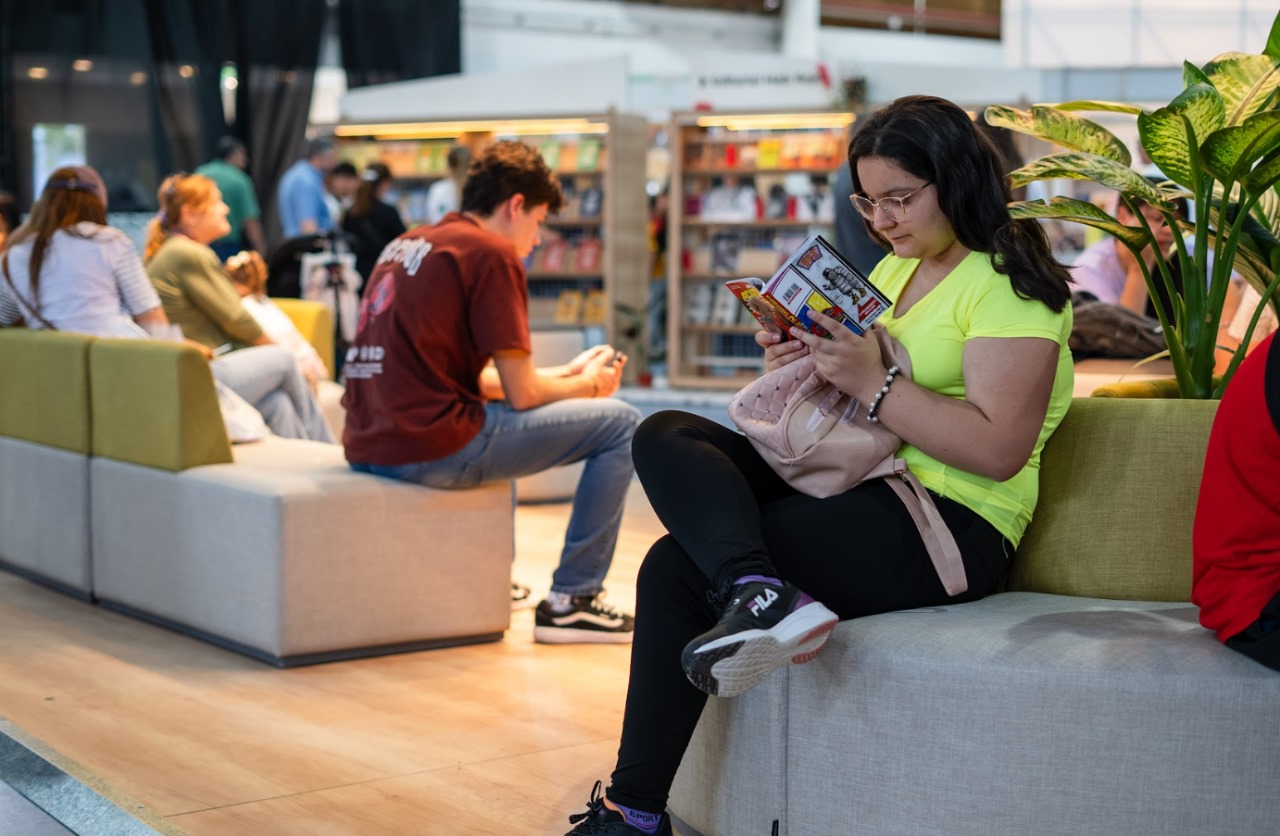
(814, 277)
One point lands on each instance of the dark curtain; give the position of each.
(277, 47)
(8, 162)
(392, 40)
(188, 45)
(112, 99)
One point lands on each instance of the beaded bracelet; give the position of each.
(875, 404)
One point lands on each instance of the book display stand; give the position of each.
(746, 190)
(595, 250)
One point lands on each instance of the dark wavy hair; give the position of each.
(937, 141)
(373, 176)
(506, 169)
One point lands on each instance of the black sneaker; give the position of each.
(587, 621)
(521, 596)
(599, 820)
(764, 627)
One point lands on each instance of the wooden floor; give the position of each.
(503, 738)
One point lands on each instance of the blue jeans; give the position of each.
(516, 443)
(267, 377)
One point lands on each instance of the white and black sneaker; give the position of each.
(521, 596)
(764, 627)
(585, 619)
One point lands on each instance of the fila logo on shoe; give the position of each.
(762, 601)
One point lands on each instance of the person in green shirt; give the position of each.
(227, 171)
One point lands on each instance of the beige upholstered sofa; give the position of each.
(1086, 699)
(275, 549)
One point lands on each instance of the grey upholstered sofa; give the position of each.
(1086, 700)
(117, 483)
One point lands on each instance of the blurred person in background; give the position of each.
(442, 197)
(300, 196)
(227, 171)
(66, 270)
(249, 273)
(200, 298)
(340, 190)
(371, 223)
(9, 217)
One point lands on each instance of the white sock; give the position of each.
(560, 601)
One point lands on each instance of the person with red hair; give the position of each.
(200, 298)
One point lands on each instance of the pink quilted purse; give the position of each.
(818, 439)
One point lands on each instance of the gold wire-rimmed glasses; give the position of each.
(894, 208)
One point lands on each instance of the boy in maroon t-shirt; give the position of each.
(1236, 539)
(442, 389)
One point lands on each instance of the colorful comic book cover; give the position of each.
(814, 277)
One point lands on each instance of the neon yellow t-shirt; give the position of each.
(974, 301)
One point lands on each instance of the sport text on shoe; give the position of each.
(762, 601)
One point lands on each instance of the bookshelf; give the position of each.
(594, 254)
(746, 190)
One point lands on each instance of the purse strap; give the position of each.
(22, 300)
(938, 540)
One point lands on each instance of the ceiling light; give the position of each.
(137, 78)
(186, 71)
(38, 73)
(82, 65)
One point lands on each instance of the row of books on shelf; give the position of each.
(742, 202)
(572, 306)
(405, 158)
(580, 203)
(585, 154)
(429, 158)
(708, 303)
(824, 150)
(734, 254)
(566, 255)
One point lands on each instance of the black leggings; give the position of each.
(730, 515)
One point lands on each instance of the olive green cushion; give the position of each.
(44, 388)
(1118, 486)
(154, 404)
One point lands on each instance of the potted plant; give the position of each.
(1218, 143)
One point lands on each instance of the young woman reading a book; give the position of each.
(983, 310)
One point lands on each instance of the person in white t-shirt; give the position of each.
(249, 273)
(442, 196)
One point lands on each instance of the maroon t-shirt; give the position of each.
(440, 302)
(1236, 538)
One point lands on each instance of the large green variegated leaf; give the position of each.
(1077, 166)
(1106, 107)
(1265, 176)
(1273, 40)
(1062, 128)
(1172, 135)
(1229, 154)
(1079, 211)
(1267, 210)
(1191, 74)
(1247, 82)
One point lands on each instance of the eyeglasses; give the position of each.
(894, 208)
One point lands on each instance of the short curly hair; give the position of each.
(506, 169)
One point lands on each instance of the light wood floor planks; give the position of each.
(503, 738)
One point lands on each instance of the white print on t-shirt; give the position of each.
(363, 362)
(407, 251)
